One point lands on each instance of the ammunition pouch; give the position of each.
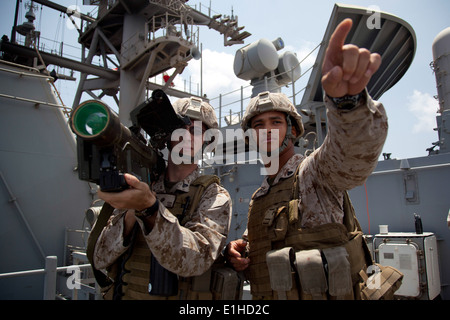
(218, 283)
(322, 274)
(339, 273)
(195, 288)
(326, 274)
(279, 263)
(226, 284)
(382, 284)
(313, 280)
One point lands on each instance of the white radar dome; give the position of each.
(288, 68)
(255, 60)
(441, 65)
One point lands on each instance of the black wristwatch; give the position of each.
(347, 102)
(147, 212)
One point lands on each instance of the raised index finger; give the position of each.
(337, 39)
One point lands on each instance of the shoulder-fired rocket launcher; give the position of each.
(106, 149)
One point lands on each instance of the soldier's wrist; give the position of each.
(147, 212)
(347, 102)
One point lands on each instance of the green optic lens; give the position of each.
(90, 119)
(96, 122)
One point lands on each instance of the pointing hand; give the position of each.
(347, 69)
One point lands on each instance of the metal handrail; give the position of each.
(242, 98)
(40, 271)
(50, 272)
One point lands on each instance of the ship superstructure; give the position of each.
(136, 40)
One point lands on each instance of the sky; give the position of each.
(410, 104)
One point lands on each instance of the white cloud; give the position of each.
(219, 77)
(305, 54)
(424, 107)
(218, 74)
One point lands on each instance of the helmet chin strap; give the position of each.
(288, 135)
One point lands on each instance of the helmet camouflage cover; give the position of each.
(197, 109)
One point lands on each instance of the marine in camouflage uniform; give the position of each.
(186, 246)
(296, 218)
(347, 157)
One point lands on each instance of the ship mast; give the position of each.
(135, 40)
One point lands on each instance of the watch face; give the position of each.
(347, 102)
(347, 105)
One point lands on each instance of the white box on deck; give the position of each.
(416, 256)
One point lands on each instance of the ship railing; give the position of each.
(162, 26)
(185, 85)
(205, 9)
(236, 100)
(58, 48)
(75, 240)
(50, 272)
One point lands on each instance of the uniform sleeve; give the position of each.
(109, 245)
(346, 158)
(192, 249)
(353, 144)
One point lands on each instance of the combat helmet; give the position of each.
(197, 109)
(269, 101)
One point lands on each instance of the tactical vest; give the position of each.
(132, 271)
(275, 233)
(137, 276)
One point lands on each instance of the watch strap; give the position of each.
(347, 102)
(148, 212)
